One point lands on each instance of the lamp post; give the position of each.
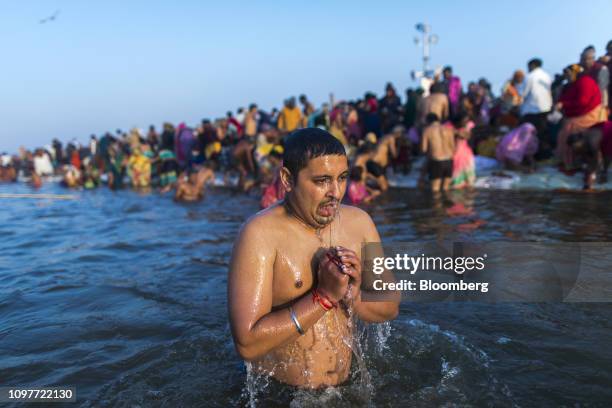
(425, 41)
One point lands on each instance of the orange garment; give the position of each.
(289, 119)
(511, 95)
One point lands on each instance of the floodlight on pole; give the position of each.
(426, 40)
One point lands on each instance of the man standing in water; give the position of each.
(438, 143)
(288, 298)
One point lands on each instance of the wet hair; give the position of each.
(536, 62)
(356, 173)
(306, 144)
(431, 118)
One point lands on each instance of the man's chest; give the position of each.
(296, 264)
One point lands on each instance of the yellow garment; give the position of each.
(265, 149)
(211, 149)
(140, 169)
(338, 134)
(289, 119)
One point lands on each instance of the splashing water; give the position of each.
(361, 375)
(262, 390)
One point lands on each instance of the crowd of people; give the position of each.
(536, 118)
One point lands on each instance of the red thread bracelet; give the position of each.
(317, 298)
(324, 300)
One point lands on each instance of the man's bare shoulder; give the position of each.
(354, 213)
(266, 223)
(360, 221)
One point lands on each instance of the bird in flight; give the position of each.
(50, 18)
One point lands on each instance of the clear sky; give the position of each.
(103, 65)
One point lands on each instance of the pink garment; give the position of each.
(454, 92)
(357, 192)
(272, 194)
(517, 144)
(463, 164)
(373, 104)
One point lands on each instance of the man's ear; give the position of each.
(286, 179)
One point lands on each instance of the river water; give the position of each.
(123, 296)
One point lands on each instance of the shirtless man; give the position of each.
(193, 188)
(379, 161)
(436, 102)
(438, 143)
(282, 288)
(243, 155)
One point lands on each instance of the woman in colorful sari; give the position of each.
(518, 147)
(464, 173)
(140, 169)
(168, 168)
(183, 144)
(580, 102)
